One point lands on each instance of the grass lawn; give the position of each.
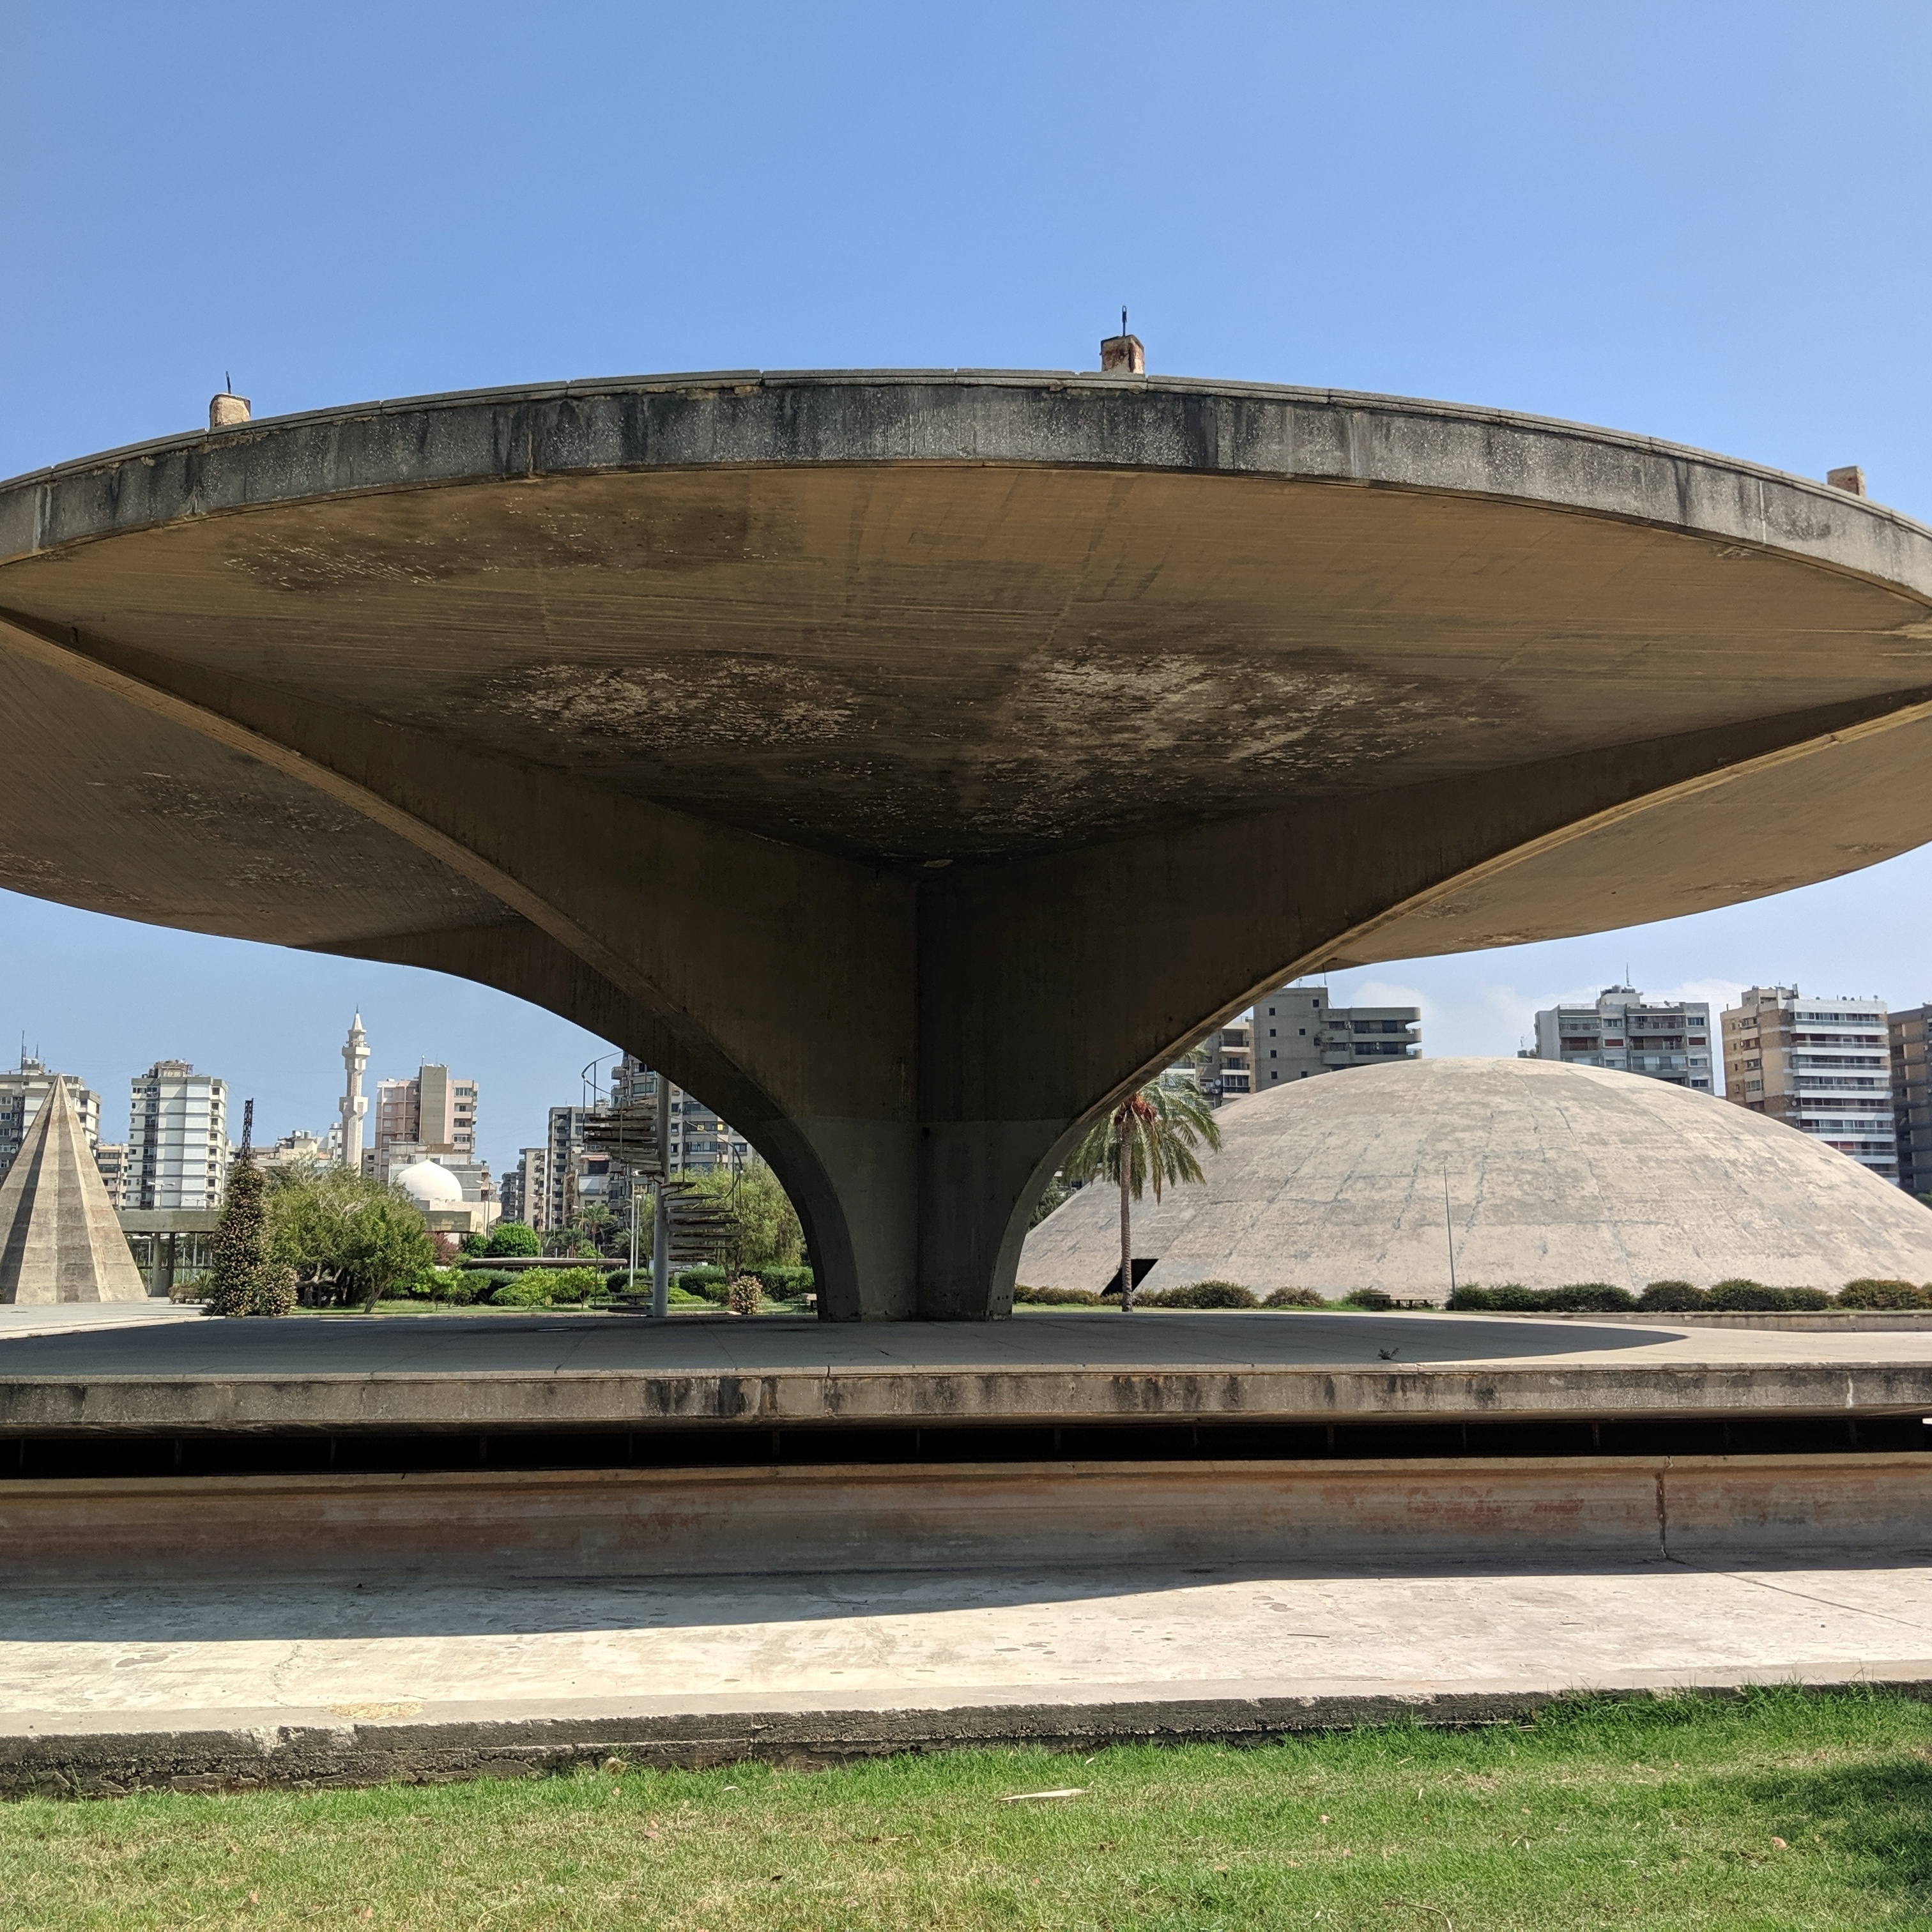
(1786, 1810)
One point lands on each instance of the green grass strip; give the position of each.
(1782, 1810)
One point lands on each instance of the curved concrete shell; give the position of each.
(908, 763)
(1555, 1175)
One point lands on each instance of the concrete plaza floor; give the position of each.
(342, 1342)
(90, 1318)
(110, 1688)
(346, 1343)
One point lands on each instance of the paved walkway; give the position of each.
(339, 1344)
(90, 1318)
(117, 1687)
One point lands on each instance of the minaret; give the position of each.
(354, 1058)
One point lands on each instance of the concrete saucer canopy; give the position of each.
(908, 763)
(1555, 1175)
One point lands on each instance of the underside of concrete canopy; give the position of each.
(909, 763)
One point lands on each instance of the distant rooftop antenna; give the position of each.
(1123, 318)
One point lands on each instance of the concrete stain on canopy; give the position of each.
(909, 763)
(1555, 1174)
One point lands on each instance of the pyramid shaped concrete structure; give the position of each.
(59, 1239)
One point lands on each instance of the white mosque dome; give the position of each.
(430, 1186)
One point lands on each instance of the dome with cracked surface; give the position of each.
(1552, 1174)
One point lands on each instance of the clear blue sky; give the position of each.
(1705, 222)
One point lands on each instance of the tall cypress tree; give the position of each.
(241, 1242)
(243, 1280)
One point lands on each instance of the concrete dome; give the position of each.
(430, 1186)
(1555, 1174)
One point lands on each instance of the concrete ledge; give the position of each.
(229, 1751)
(768, 1521)
(622, 1399)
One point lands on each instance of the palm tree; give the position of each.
(1151, 1135)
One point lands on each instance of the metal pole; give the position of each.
(660, 1221)
(1449, 1227)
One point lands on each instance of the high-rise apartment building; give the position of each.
(1668, 1040)
(111, 1157)
(432, 1115)
(701, 1142)
(527, 1189)
(1823, 1066)
(177, 1138)
(22, 1092)
(1224, 1061)
(1912, 1098)
(561, 1155)
(1296, 1032)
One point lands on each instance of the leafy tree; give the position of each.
(1149, 1137)
(388, 1247)
(512, 1237)
(247, 1278)
(764, 1231)
(474, 1244)
(346, 1237)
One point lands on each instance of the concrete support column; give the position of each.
(913, 1048)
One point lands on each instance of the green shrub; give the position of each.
(710, 1282)
(785, 1284)
(1871, 1293)
(1293, 1298)
(512, 1237)
(1739, 1297)
(1593, 1297)
(535, 1287)
(1807, 1298)
(1672, 1297)
(444, 1285)
(1510, 1296)
(1058, 1297)
(1369, 1297)
(575, 1285)
(1200, 1295)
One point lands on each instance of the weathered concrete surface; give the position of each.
(246, 1682)
(60, 1244)
(784, 1520)
(627, 697)
(1552, 1174)
(350, 1374)
(340, 1374)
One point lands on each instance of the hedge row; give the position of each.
(551, 1287)
(1681, 1298)
(1588, 1297)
